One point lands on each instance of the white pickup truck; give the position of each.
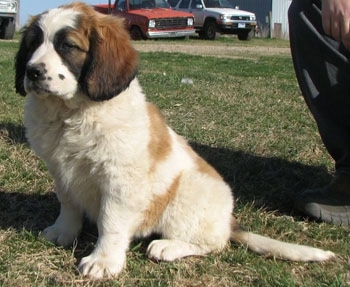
(215, 17)
(8, 13)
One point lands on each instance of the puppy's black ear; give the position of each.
(113, 60)
(32, 37)
(20, 67)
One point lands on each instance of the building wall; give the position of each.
(18, 16)
(261, 8)
(270, 14)
(280, 18)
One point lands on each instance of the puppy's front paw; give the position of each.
(59, 235)
(97, 266)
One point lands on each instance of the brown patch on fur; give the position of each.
(113, 60)
(202, 165)
(158, 205)
(78, 37)
(206, 168)
(75, 58)
(159, 146)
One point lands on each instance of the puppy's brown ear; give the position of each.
(113, 60)
(32, 37)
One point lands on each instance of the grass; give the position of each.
(246, 117)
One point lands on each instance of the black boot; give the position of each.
(330, 204)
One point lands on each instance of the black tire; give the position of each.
(246, 36)
(7, 29)
(210, 30)
(136, 34)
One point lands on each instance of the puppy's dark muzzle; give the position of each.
(36, 72)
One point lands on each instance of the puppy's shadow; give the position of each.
(29, 211)
(20, 210)
(12, 132)
(268, 182)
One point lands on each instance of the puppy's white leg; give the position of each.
(169, 250)
(67, 226)
(109, 256)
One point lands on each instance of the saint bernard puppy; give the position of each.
(111, 153)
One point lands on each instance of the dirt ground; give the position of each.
(220, 50)
(223, 50)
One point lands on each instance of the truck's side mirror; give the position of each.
(199, 6)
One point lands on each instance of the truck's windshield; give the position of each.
(217, 4)
(148, 4)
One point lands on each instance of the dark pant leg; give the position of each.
(323, 72)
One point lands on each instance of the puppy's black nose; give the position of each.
(36, 72)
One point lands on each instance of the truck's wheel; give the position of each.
(135, 33)
(7, 30)
(210, 30)
(246, 36)
(201, 34)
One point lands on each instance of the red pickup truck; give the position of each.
(149, 19)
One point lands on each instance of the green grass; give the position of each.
(246, 117)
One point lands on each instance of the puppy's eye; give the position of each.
(69, 46)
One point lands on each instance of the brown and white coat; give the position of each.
(111, 153)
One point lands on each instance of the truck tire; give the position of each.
(246, 36)
(7, 29)
(210, 30)
(135, 33)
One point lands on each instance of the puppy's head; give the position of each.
(74, 49)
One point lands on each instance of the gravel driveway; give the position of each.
(223, 50)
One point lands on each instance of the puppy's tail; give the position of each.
(275, 248)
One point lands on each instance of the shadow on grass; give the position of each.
(12, 132)
(271, 183)
(27, 211)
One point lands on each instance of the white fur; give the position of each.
(99, 156)
(47, 54)
(101, 166)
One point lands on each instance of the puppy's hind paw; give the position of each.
(170, 250)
